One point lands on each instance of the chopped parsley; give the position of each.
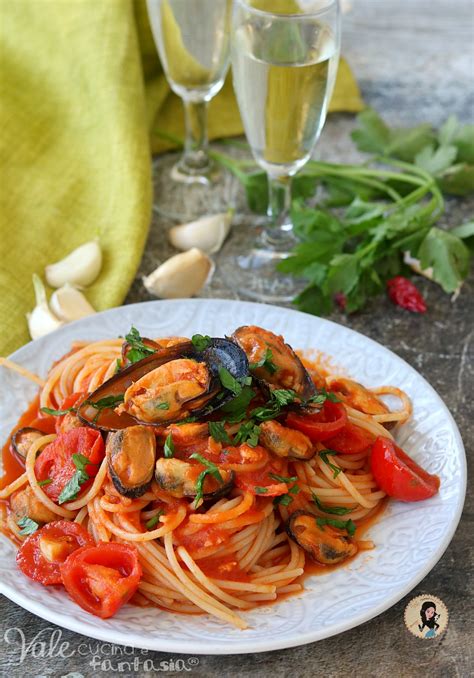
(168, 448)
(73, 487)
(162, 406)
(324, 456)
(44, 482)
(56, 413)
(347, 525)
(335, 510)
(283, 396)
(138, 350)
(236, 409)
(321, 397)
(218, 432)
(266, 362)
(27, 525)
(200, 341)
(283, 479)
(211, 469)
(150, 524)
(283, 500)
(261, 490)
(247, 433)
(106, 403)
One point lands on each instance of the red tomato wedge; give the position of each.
(260, 483)
(55, 462)
(351, 440)
(70, 417)
(102, 578)
(41, 554)
(321, 425)
(398, 475)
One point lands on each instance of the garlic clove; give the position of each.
(183, 275)
(68, 303)
(415, 265)
(207, 233)
(80, 267)
(41, 320)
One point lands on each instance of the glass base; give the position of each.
(248, 263)
(183, 196)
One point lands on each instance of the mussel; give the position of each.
(167, 386)
(23, 439)
(357, 396)
(285, 442)
(275, 363)
(131, 454)
(326, 546)
(25, 504)
(179, 479)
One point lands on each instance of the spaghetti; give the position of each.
(221, 555)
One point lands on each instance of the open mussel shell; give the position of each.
(325, 546)
(131, 454)
(178, 478)
(284, 371)
(220, 353)
(23, 439)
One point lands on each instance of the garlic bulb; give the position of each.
(68, 303)
(80, 267)
(183, 275)
(207, 233)
(41, 320)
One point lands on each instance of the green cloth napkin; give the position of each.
(82, 93)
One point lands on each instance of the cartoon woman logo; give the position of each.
(429, 618)
(426, 616)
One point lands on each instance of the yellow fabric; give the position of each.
(82, 93)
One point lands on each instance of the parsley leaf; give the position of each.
(56, 413)
(324, 456)
(168, 448)
(266, 362)
(150, 524)
(283, 396)
(46, 481)
(200, 341)
(282, 479)
(347, 525)
(237, 407)
(138, 350)
(335, 510)
(218, 432)
(27, 525)
(261, 490)
(162, 406)
(447, 255)
(211, 469)
(73, 486)
(247, 433)
(229, 382)
(283, 500)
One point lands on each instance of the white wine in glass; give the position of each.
(284, 65)
(193, 41)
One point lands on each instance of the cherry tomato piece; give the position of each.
(398, 475)
(41, 554)
(55, 462)
(102, 578)
(351, 440)
(321, 425)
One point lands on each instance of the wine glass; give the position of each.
(284, 64)
(192, 38)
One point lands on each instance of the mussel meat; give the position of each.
(355, 395)
(131, 456)
(167, 386)
(179, 479)
(278, 365)
(326, 546)
(25, 504)
(23, 439)
(285, 442)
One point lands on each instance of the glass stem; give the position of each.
(195, 158)
(280, 231)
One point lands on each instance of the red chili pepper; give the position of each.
(341, 300)
(404, 293)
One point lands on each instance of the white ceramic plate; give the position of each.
(409, 538)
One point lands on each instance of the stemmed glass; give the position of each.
(193, 39)
(284, 64)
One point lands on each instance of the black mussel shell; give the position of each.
(23, 439)
(220, 353)
(322, 545)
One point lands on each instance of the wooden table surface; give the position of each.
(414, 60)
